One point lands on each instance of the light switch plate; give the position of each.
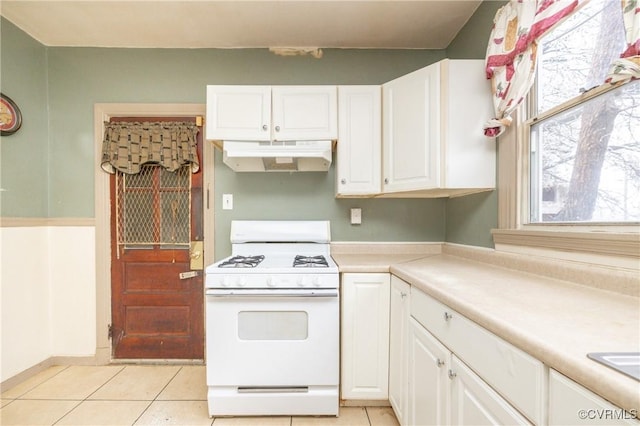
(227, 201)
(356, 216)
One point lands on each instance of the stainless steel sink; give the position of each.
(625, 362)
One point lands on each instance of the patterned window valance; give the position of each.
(127, 146)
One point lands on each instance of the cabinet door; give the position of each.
(572, 404)
(473, 402)
(359, 150)
(238, 113)
(429, 360)
(365, 336)
(398, 335)
(305, 112)
(411, 131)
(469, 157)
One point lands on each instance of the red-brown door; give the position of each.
(156, 313)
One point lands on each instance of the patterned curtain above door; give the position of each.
(127, 146)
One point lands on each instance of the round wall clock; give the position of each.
(10, 116)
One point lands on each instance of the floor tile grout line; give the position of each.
(156, 397)
(167, 384)
(104, 384)
(366, 412)
(41, 383)
(86, 398)
(142, 413)
(69, 411)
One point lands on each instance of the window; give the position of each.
(569, 167)
(584, 136)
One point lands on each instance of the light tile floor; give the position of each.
(142, 395)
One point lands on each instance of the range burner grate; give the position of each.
(242, 262)
(310, 262)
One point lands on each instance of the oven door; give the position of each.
(272, 338)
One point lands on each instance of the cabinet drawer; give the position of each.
(513, 373)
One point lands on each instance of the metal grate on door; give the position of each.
(153, 208)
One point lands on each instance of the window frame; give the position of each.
(612, 244)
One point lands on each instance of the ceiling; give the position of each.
(428, 24)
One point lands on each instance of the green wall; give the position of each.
(470, 219)
(24, 156)
(48, 167)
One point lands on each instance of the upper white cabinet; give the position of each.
(272, 113)
(359, 140)
(411, 133)
(432, 130)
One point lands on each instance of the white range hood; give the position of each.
(277, 156)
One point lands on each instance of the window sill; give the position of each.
(619, 249)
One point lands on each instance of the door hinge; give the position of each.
(110, 331)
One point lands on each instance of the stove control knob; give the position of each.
(270, 282)
(241, 281)
(315, 281)
(225, 281)
(302, 281)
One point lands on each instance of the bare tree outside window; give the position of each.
(585, 160)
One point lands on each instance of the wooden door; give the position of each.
(155, 312)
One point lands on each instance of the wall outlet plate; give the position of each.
(356, 216)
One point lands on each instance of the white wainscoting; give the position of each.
(48, 294)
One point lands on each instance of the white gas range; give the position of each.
(272, 322)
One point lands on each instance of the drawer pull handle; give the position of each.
(447, 316)
(452, 374)
(440, 363)
(403, 294)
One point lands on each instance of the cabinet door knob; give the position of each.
(277, 128)
(386, 180)
(264, 127)
(440, 363)
(403, 294)
(452, 374)
(447, 316)
(343, 181)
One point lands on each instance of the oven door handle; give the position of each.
(214, 292)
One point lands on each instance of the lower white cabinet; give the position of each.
(514, 374)
(365, 336)
(572, 404)
(428, 398)
(443, 390)
(473, 402)
(398, 338)
(461, 374)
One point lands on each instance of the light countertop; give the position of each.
(555, 321)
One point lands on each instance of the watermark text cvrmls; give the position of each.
(607, 414)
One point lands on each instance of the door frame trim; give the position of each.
(102, 199)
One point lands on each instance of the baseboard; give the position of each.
(365, 403)
(50, 362)
(26, 374)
